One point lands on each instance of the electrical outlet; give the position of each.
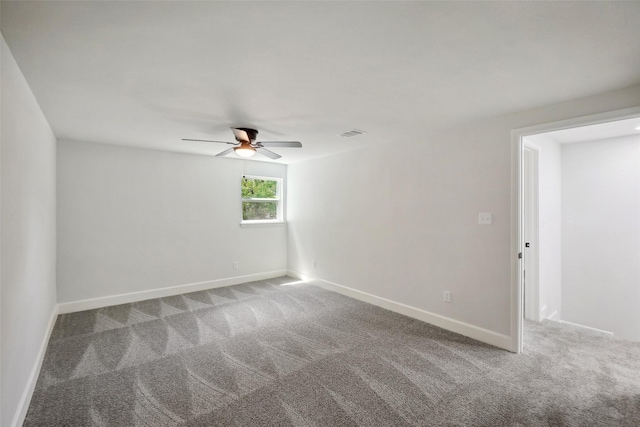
(447, 296)
(235, 265)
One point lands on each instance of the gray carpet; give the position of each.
(262, 354)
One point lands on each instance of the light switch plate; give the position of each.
(484, 218)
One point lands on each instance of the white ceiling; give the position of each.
(597, 132)
(150, 73)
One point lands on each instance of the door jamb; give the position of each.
(534, 251)
(516, 203)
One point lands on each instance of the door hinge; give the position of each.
(519, 255)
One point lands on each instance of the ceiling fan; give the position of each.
(247, 146)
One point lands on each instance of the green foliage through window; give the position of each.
(259, 188)
(252, 211)
(254, 193)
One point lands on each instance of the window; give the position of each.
(261, 200)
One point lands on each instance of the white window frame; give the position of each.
(279, 199)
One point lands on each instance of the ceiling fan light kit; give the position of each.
(246, 145)
(245, 150)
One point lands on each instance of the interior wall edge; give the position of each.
(27, 394)
(106, 301)
(27, 239)
(471, 331)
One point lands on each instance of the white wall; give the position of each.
(601, 235)
(28, 233)
(134, 220)
(404, 226)
(550, 226)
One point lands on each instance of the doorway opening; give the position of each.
(536, 293)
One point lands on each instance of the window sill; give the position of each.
(261, 223)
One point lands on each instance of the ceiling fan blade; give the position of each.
(225, 152)
(292, 144)
(208, 140)
(268, 153)
(241, 134)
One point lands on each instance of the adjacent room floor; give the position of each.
(280, 352)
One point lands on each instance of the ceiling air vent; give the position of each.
(354, 132)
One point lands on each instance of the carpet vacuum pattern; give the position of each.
(266, 354)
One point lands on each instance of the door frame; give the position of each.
(517, 243)
(531, 289)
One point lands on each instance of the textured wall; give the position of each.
(399, 221)
(601, 235)
(28, 234)
(135, 220)
(550, 227)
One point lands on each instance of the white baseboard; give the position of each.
(586, 327)
(27, 394)
(466, 329)
(92, 303)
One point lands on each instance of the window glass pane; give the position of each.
(259, 188)
(259, 210)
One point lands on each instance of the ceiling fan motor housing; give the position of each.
(251, 133)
